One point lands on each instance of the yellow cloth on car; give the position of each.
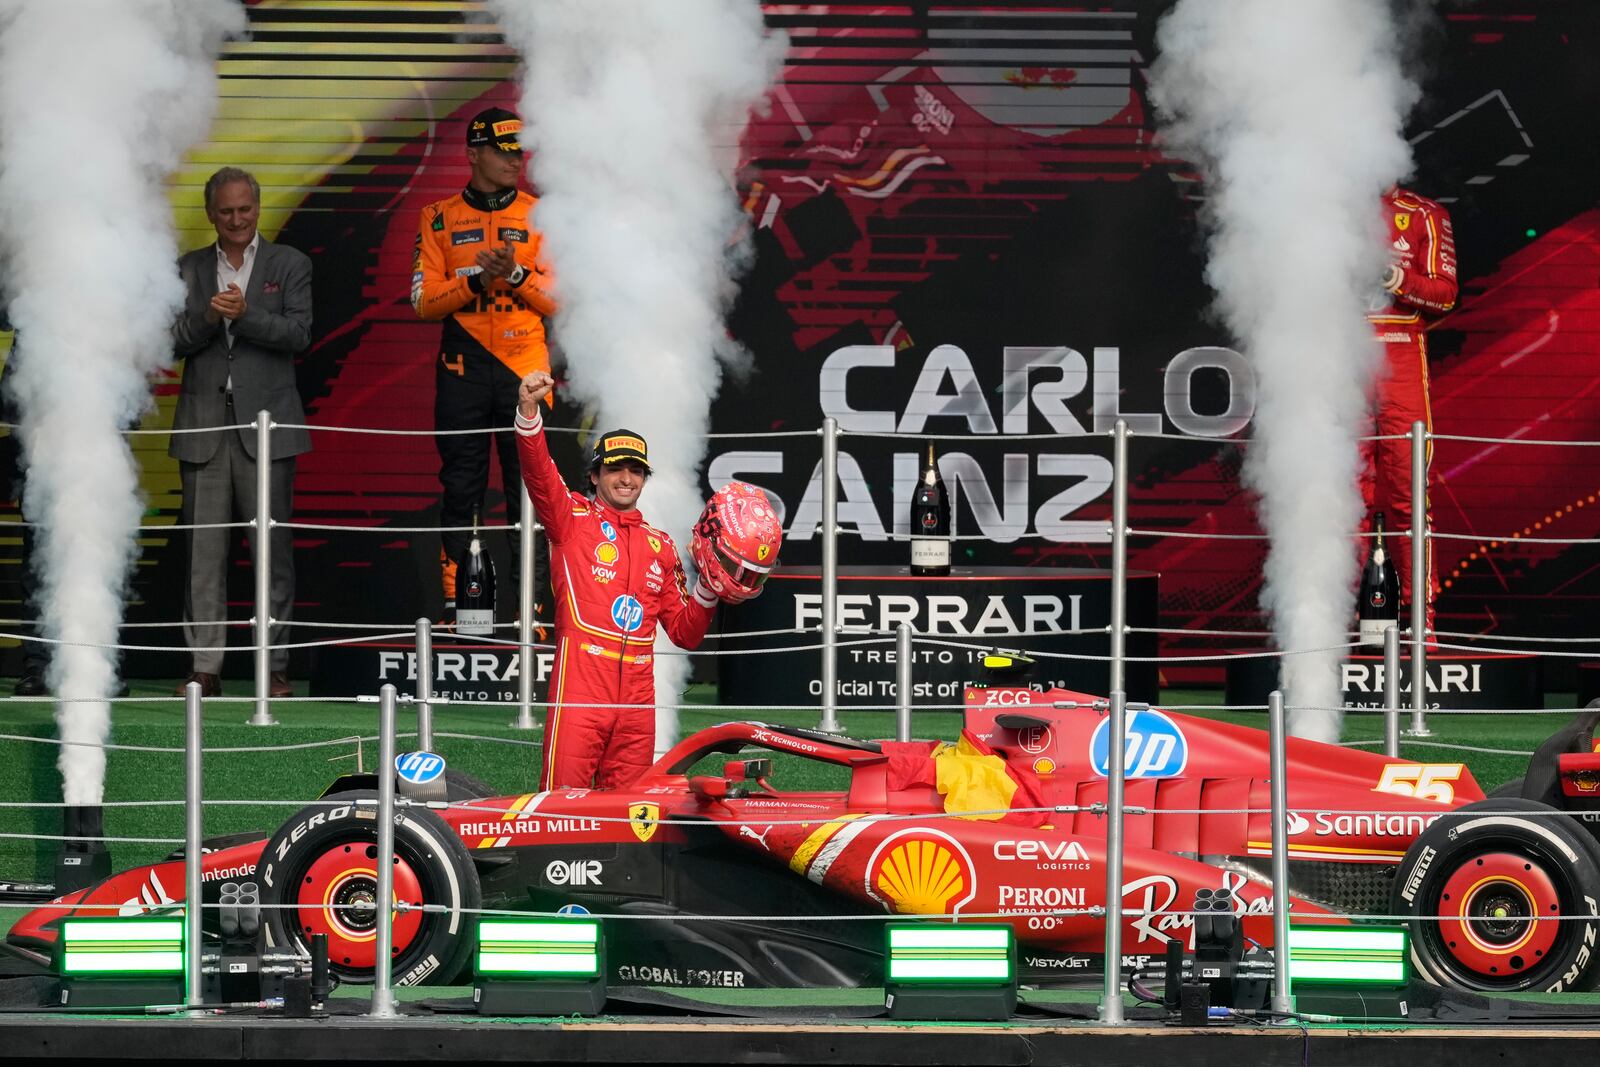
(970, 780)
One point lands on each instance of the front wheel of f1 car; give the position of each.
(1514, 884)
(322, 864)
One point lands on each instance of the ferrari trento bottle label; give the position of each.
(1378, 601)
(930, 521)
(930, 552)
(475, 590)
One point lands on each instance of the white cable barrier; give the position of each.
(830, 631)
(1112, 914)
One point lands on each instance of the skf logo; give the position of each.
(1402, 220)
(606, 553)
(921, 872)
(762, 552)
(643, 818)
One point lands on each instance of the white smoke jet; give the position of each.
(1295, 111)
(99, 99)
(635, 110)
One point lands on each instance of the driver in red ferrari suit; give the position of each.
(614, 576)
(1421, 279)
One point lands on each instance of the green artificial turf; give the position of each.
(256, 790)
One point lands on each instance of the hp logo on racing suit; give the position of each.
(1156, 748)
(418, 768)
(627, 613)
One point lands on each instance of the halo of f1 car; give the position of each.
(797, 871)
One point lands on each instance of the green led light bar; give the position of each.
(950, 955)
(1345, 955)
(539, 948)
(117, 948)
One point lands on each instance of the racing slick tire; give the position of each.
(1507, 790)
(322, 864)
(1489, 868)
(459, 785)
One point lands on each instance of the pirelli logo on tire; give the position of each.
(1424, 858)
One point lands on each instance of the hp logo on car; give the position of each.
(418, 768)
(1156, 748)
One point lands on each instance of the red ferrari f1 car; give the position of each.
(798, 875)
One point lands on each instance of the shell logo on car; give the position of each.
(921, 872)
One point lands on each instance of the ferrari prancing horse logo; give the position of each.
(1402, 221)
(644, 820)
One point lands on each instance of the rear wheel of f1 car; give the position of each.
(1506, 790)
(1515, 883)
(322, 863)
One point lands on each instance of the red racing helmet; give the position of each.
(736, 541)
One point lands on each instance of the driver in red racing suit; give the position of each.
(614, 577)
(1421, 278)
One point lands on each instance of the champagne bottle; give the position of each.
(475, 589)
(930, 522)
(1378, 605)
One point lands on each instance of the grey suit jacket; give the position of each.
(275, 326)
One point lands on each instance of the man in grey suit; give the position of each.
(247, 313)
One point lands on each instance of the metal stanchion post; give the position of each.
(902, 682)
(1116, 748)
(1282, 999)
(830, 577)
(1119, 555)
(424, 684)
(383, 959)
(263, 545)
(193, 834)
(525, 597)
(1391, 691)
(1419, 581)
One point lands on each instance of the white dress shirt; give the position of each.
(227, 275)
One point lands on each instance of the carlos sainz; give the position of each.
(615, 578)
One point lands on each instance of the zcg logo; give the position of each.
(1155, 747)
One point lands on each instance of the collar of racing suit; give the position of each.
(631, 517)
(498, 200)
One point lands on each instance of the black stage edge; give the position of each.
(660, 1041)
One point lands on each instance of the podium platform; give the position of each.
(974, 607)
(1464, 681)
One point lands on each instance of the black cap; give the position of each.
(617, 446)
(496, 126)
